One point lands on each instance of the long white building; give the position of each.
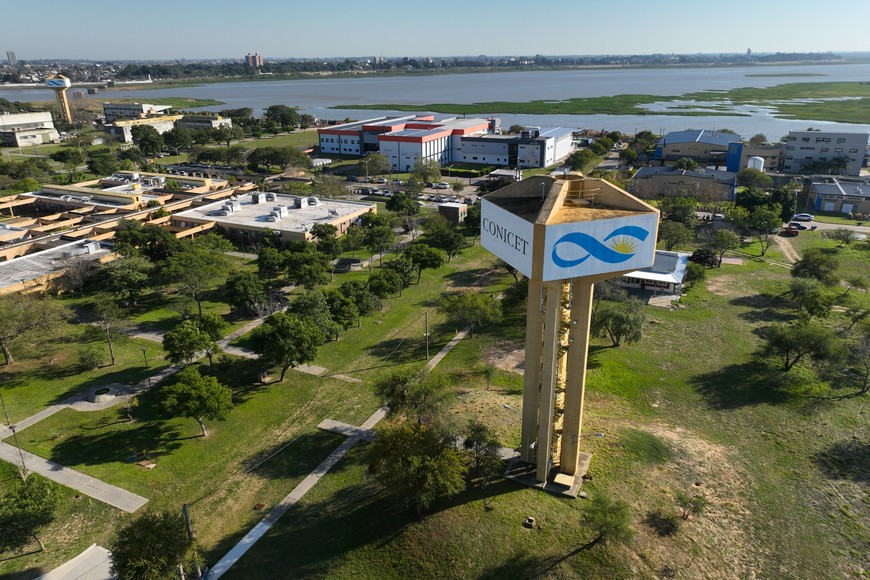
(406, 140)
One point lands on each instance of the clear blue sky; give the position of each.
(164, 29)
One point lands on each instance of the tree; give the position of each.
(402, 205)
(282, 115)
(127, 277)
(25, 509)
(23, 316)
(620, 321)
(108, 316)
(685, 164)
(793, 342)
(197, 397)
(426, 170)
(147, 139)
(417, 464)
(472, 308)
(313, 305)
(151, 547)
(424, 257)
(694, 273)
(817, 265)
(724, 241)
(269, 263)
(693, 505)
(384, 283)
(751, 177)
(405, 393)
(342, 308)
(374, 164)
(327, 243)
(378, 240)
(286, 340)
(184, 343)
(679, 209)
(484, 452)
(673, 234)
(198, 264)
(610, 520)
(244, 291)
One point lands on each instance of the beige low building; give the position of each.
(248, 217)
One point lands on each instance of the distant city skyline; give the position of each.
(164, 30)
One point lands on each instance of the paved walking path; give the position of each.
(355, 435)
(292, 498)
(92, 564)
(90, 486)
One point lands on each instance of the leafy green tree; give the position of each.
(402, 205)
(685, 164)
(184, 343)
(610, 520)
(244, 291)
(472, 308)
(751, 177)
(29, 506)
(199, 263)
(151, 547)
(817, 265)
(426, 170)
(374, 164)
(128, 277)
(379, 239)
(197, 397)
(724, 241)
(674, 234)
(424, 257)
(287, 340)
(384, 283)
(485, 462)
(342, 308)
(270, 262)
(417, 464)
(24, 316)
(619, 321)
(359, 292)
(313, 305)
(147, 139)
(791, 343)
(679, 208)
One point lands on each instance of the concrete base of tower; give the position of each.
(557, 483)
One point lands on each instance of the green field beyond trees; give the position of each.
(842, 102)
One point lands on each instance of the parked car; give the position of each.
(803, 217)
(797, 225)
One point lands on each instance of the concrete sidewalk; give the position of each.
(90, 486)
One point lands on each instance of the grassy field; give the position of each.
(844, 102)
(692, 408)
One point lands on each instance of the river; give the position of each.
(315, 95)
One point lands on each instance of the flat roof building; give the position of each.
(247, 217)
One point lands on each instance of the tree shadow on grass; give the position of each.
(119, 445)
(754, 382)
(764, 308)
(846, 460)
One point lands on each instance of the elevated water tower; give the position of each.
(59, 84)
(565, 234)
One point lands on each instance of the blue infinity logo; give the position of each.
(621, 246)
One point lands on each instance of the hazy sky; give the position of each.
(164, 29)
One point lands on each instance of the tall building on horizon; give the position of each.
(253, 60)
(10, 58)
